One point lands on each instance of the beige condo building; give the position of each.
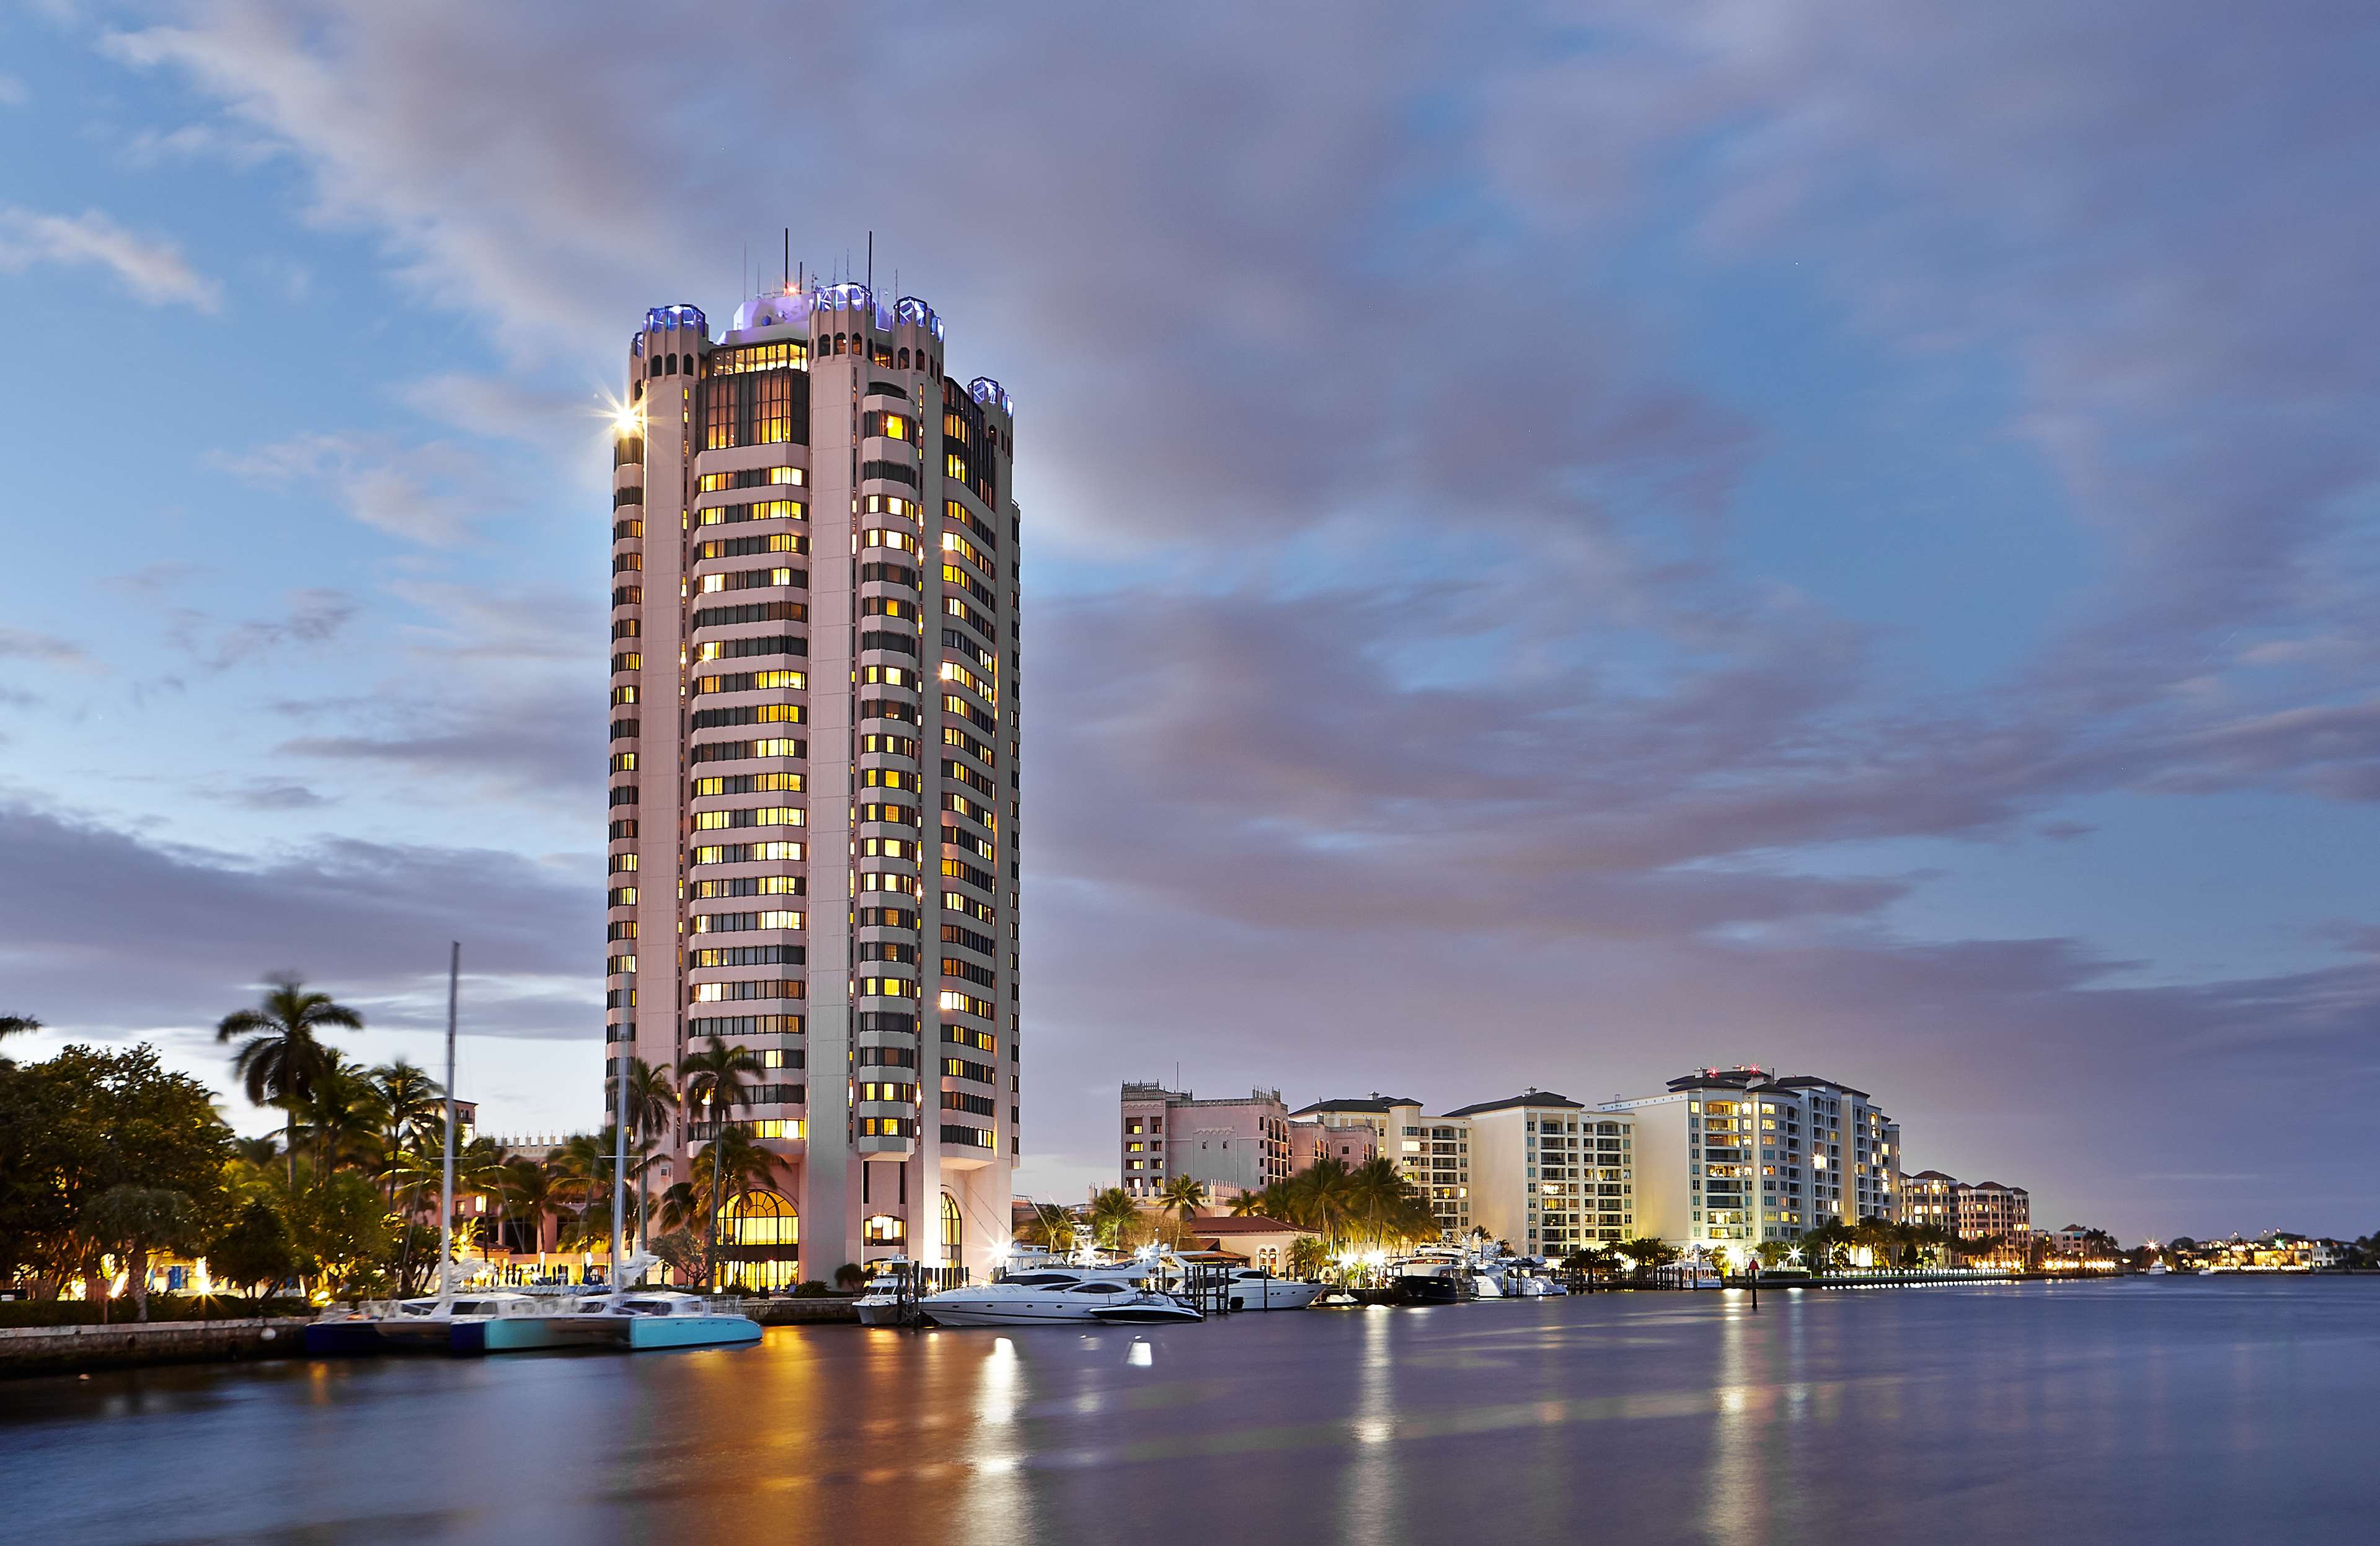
(1733, 1157)
(814, 766)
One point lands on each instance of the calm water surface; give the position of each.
(2175, 1411)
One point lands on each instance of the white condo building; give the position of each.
(1548, 1177)
(814, 670)
(1732, 1157)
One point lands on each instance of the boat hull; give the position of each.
(1148, 1315)
(690, 1330)
(1275, 1293)
(1428, 1291)
(341, 1339)
(416, 1333)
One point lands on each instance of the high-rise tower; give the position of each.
(814, 789)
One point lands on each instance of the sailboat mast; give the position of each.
(446, 1182)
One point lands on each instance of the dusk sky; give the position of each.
(1560, 545)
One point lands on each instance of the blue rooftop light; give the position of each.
(662, 318)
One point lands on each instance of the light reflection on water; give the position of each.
(2177, 1411)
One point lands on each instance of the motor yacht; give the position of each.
(1053, 1298)
(889, 1298)
(1432, 1278)
(1255, 1288)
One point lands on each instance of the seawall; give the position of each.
(73, 1349)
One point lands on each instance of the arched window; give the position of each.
(954, 1229)
(669, 364)
(687, 369)
(883, 1229)
(761, 1236)
(760, 1217)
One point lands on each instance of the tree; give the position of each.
(344, 1236)
(1249, 1204)
(1647, 1253)
(134, 1221)
(527, 1188)
(87, 1120)
(849, 1276)
(680, 1252)
(344, 1115)
(651, 1100)
(1182, 1197)
(1112, 1213)
(411, 1107)
(283, 1057)
(729, 1165)
(1308, 1255)
(255, 1252)
(717, 1078)
(1772, 1253)
(1051, 1226)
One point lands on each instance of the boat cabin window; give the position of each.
(1042, 1280)
(1100, 1288)
(468, 1306)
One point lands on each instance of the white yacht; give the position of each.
(1053, 1298)
(1255, 1288)
(887, 1297)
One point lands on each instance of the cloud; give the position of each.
(149, 148)
(312, 616)
(519, 712)
(1396, 642)
(22, 644)
(268, 794)
(152, 269)
(371, 920)
(431, 494)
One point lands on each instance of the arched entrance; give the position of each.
(761, 1236)
(954, 1231)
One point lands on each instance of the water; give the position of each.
(2175, 1411)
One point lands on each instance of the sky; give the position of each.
(1556, 552)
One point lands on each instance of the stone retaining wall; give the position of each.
(72, 1349)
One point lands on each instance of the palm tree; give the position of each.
(281, 1058)
(1112, 1212)
(582, 1166)
(715, 1079)
(729, 1165)
(1181, 1197)
(527, 1192)
(1051, 1227)
(1307, 1256)
(1319, 1198)
(1251, 1204)
(652, 1097)
(342, 1114)
(409, 1103)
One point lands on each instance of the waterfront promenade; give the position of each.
(2191, 1411)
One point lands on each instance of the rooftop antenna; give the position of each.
(789, 257)
(871, 264)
